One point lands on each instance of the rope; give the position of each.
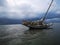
(47, 10)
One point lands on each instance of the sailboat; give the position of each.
(38, 24)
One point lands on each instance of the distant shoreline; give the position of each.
(20, 23)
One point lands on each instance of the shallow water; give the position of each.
(21, 35)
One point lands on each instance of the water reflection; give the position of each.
(35, 31)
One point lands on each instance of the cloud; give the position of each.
(35, 5)
(53, 20)
(2, 2)
(58, 12)
(24, 8)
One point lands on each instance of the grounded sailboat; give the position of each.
(39, 24)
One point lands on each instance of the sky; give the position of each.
(20, 9)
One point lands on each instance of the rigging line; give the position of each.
(47, 10)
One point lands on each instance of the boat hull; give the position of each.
(41, 26)
(30, 27)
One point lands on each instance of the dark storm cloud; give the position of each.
(26, 8)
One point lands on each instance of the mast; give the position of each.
(47, 11)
